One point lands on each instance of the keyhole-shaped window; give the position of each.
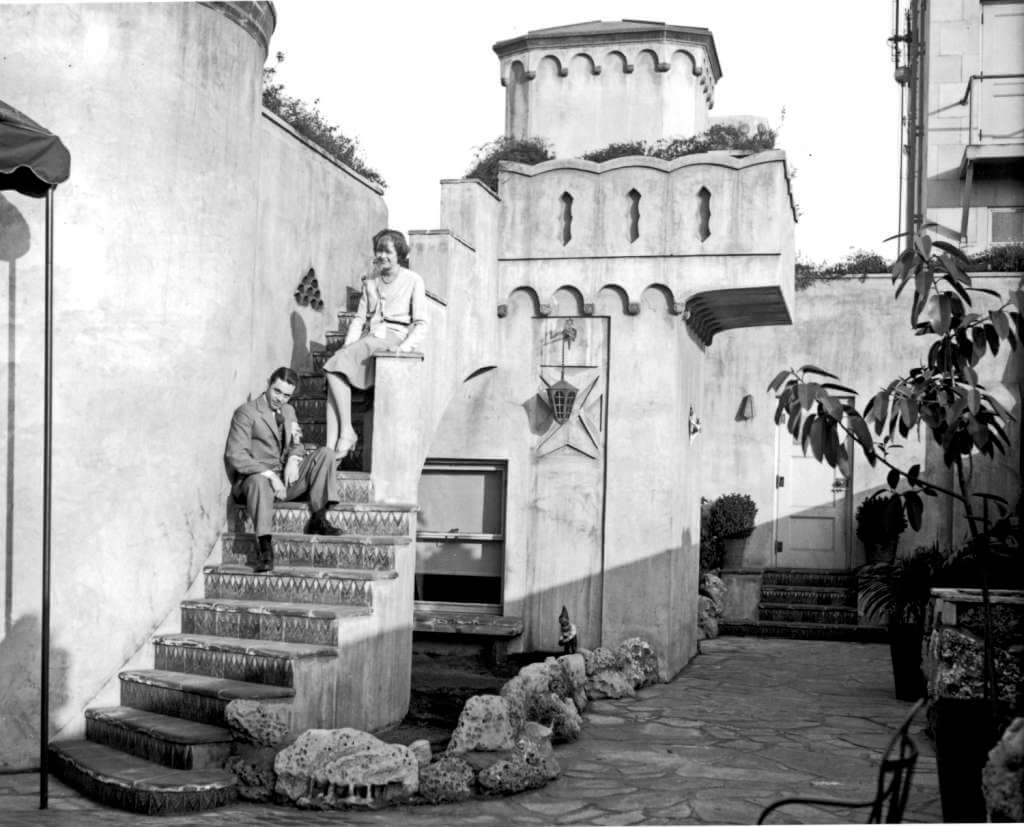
(634, 215)
(566, 200)
(704, 213)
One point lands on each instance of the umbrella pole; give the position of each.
(44, 677)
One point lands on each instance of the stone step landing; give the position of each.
(192, 697)
(117, 779)
(805, 613)
(289, 622)
(302, 550)
(812, 595)
(173, 742)
(350, 518)
(336, 587)
(804, 631)
(238, 659)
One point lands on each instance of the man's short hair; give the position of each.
(286, 374)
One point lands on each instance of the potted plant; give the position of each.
(880, 522)
(732, 519)
(896, 593)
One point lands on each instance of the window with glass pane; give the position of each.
(1007, 226)
(460, 538)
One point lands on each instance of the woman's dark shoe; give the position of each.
(264, 556)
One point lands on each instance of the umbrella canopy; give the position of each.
(32, 159)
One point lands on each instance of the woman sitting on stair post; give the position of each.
(392, 307)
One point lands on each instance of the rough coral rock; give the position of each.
(610, 683)
(528, 769)
(713, 587)
(574, 668)
(642, 655)
(253, 766)
(485, 725)
(335, 768)
(707, 619)
(599, 659)
(421, 749)
(537, 733)
(258, 722)
(515, 691)
(448, 779)
(1003, 777)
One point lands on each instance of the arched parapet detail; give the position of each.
(666, 298)
(516, 72)
(567, 300)
(587, 59)
(616, 60)
(523, 296)
(560, 69)
(657, 60)
(612, 297)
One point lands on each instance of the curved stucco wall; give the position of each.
(163, 325)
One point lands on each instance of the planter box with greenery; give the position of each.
(732, 519)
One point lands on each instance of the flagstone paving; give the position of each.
(748, 721)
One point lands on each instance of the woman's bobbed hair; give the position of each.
(399, 242)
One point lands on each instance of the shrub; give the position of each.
(720, 136)
(880, 520)
(1003, 258)
(711, 548)
(519, 150)
(858, 263)
(898, 591)
(732, 515)
(620, 150)
(309, 122)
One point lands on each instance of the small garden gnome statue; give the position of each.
(567, 639)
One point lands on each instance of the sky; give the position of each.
(417, 84)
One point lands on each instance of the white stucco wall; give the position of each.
(854, 329)
(162, 253)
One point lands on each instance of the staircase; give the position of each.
(810, 604)
(320, 632)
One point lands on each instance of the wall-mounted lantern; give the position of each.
(562, 394)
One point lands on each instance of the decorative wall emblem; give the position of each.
(574, 393)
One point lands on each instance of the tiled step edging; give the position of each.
(163, 739)
(348, 552)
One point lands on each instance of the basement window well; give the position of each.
(460, 537)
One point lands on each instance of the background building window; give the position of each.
(1007, 225)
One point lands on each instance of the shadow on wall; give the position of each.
(301, 360)
(15, 242)
(19, 699)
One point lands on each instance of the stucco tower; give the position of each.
(587, 85)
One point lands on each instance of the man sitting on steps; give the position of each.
(264, 457)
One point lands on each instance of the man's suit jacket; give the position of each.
(255, 443)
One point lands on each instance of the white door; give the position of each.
(1001, 100)
(814, 510)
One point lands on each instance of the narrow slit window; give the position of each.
(566, 200)
(634, 215)
(704, 213)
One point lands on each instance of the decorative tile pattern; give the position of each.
(317, 553)
(818, 596)
(312, 385)
(291, 518)
(146, 745)
(808, 614)
(260, 626)
(310, 409)
(166, 701)
(239, 666)
(122, 787)
(809, 577)
(288, 588)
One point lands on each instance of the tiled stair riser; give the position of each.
(173, 755)
(808, 614)
(793, 631)
(289, 588)
(312, 385)
(167, 701)
(823, 579)
(309, 551)
(292, 518)
(239, 666)
(73, 764)
(286, 628)
(819, 596)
